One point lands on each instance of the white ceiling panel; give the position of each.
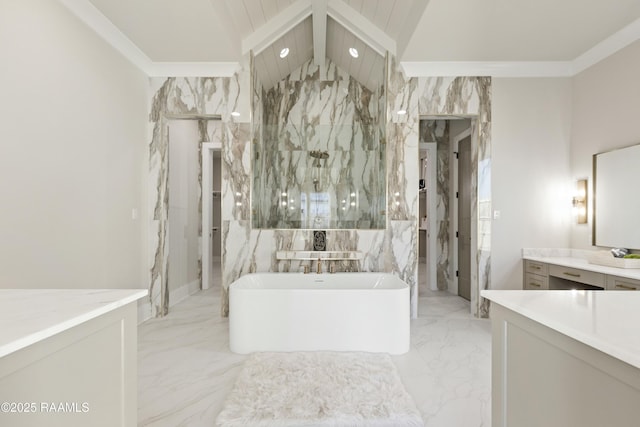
(388, 15)
(256, 16)
(167, 31)
(240, 18)
(420, 31)
(398, 17)
(368, 68)
(382, 13)
(271, 68)
(516, 30)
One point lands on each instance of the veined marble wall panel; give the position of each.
(402, 255)
(402, 133)
(159, 208)
(469, 96)
(184, 97)
(236, 256)
(236, 171)
(402, 95)
(372, 245)
(402, 146)
(318, 108)
(403, 172)
(309, 70)
(315, 113)
(257, 134)
(483, 195)
(450, 95)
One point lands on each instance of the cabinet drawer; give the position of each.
(615, 283)
(576, 275)
(535, 282)
(536, 267)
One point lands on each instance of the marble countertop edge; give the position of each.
(619, 349)
(60, 323)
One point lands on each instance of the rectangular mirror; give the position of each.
(616, 198)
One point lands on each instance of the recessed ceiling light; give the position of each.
(402, 112)
(235, 114)
(353, 52)
(284, 52)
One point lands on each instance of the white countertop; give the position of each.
(583, 264)
(31, 315)
(608, 321)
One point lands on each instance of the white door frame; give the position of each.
(431, 186)
(207, 195)
(454, 255)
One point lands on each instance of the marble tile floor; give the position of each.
(185, 368)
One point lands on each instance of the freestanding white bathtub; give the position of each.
(319, 312)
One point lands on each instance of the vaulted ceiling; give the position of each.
(429, 37)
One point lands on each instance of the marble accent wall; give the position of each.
(393, 249)
(471, 97)
(403, 174)
(319, 108)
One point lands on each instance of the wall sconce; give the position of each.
(580, 201)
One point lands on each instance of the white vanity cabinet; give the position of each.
(556, 273)
(565, 359)
(68, 357)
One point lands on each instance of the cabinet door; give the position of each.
(615, 283)
(535, 282)
(535, 267)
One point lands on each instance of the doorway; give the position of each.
(211, 242)
(427, 232)
(454, 140)
(193, 177)
(463, 215)
(183, 201)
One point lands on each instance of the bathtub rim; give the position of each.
(250, 282)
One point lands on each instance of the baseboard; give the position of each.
(175, 296)
(183, 291)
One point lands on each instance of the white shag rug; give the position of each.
(319, 389)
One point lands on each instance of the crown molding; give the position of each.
(92, 17)
(607, 47)
(99, 23)
(493, 69)
(193, 69)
